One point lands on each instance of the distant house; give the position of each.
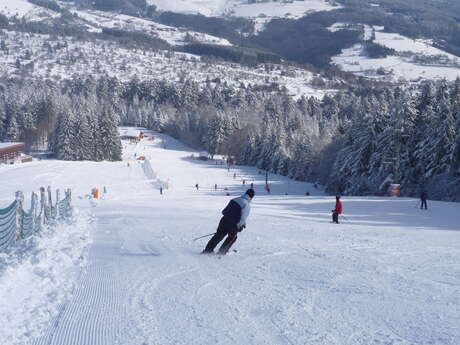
(9, 152)
(132, 135)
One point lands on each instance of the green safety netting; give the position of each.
(8, 225)
(15, 223)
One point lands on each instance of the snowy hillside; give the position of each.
(96, 20)
(61, 58)
(414, 59)
(389, 274)
(243, 8)
(23, 8)
(174, 36)
(263, 12)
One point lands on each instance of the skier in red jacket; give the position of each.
(337, 210)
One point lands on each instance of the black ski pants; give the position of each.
(423, 205)
(226, 228)
(335, 217)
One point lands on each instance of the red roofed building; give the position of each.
(10, 151)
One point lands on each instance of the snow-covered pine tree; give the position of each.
(83, 139)
(2, 121)
(216, 134)
(64, 145)
(443, 133)
(110, 140)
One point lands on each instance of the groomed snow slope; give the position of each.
(387, 275)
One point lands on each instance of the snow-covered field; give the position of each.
(260, 12)
(174, 36)
(441, 65)
(204, 7)
(241, 8)
(401, 44)
(389, 274)
(23, 8)
(263, 12)
(293, 9)
(353, 60)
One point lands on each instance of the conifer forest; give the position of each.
(355, 142)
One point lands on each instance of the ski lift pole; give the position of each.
(196, 239)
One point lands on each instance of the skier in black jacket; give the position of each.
(233, 221)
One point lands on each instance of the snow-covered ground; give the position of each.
(389, 274)
(204, 7)
(353, 60)
(404, 44)
(72, 57)
(174, 36)
(260, 12)
(242, 8)
(263, 12)
(23, 8)
(404, 65)
(96, 20)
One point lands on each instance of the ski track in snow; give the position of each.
(389, 274)
(96, 305)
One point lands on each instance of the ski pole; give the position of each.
(195, 239)
(345, 218)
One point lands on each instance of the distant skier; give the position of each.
(197, 187)
(252, 185)
(215, 186)
(161, 190)
(337, 210)
(234, 175)
(244, 182)
(423, 197)
(233, 221)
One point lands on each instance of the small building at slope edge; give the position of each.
(9, 152)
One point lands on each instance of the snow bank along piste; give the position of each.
(17, 224)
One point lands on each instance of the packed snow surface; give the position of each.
(388, 274)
